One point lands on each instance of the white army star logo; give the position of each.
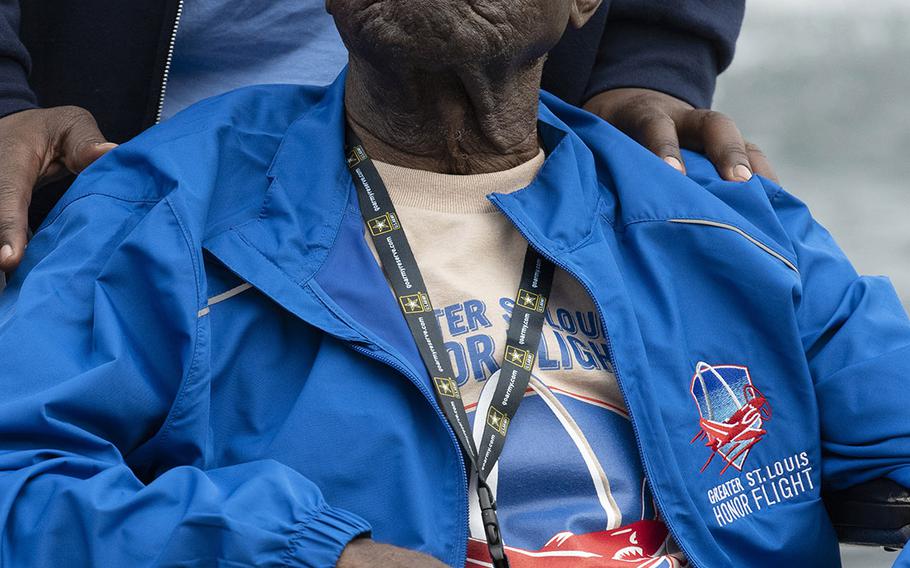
(519, 357)
(414, 303)
(381, 225)
(356, 156)
(498, 421)
(446, 387)
(531, 301)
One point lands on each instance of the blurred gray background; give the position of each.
(822, 86)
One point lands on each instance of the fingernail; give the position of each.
(674, 163)
(742, 173)
(106, 145)
(6, 251)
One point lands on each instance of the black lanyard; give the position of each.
(522, 341)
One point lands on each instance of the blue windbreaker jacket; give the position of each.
(203, 364)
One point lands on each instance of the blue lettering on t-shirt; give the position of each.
(571, 332)
(475, 312)
(454, 318)
(544, 362)
(507, 304)
(566, 321)
(549, 321)
(582, 355)
(480, 349)
(603, 356)
(592, 330)
(459, 362)
(564, 350)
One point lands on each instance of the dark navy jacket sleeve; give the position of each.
(100, 336)
(857, 339)
(678, 48)
(15, 93)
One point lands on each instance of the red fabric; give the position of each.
(638, 545)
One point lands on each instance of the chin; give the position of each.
(437, 34)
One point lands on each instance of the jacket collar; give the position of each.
(591, 172)
(311, 186)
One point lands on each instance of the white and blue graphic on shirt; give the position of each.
(569, 484)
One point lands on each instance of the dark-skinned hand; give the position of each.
(364, 553)
(36, 147)
(663, 124)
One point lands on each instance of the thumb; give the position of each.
(13, 232)
(87, 153)
(81, 142)
(18, 175)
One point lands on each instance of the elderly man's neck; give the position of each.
(467, 122)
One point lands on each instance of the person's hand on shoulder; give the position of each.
(365, 553)
(38, 146)
(663, 123)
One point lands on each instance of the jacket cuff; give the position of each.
(15, 93)
(653, 57)
(320, 539)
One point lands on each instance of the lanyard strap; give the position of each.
(523, 338)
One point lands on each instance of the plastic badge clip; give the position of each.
(491, 526)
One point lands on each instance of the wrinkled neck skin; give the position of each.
(453, 121)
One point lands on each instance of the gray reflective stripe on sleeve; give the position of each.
(741, 233)
(222, 297)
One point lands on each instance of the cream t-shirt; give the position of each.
(569, 481)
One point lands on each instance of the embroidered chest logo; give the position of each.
(732, 410)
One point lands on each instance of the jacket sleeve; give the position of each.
(856, 336)
(678, 48)
(99, 336)
(15, 93)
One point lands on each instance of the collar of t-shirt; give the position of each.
(454, 193)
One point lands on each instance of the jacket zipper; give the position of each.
(655, 493)
(168, 61)
(462, 550)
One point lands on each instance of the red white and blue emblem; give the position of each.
(732, 410)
